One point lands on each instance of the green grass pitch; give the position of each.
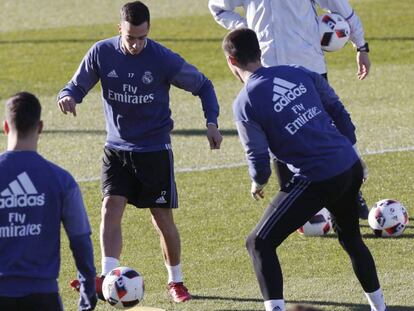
(41, 45)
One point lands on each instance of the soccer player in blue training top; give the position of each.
(288, 33)
(136, 74)
(36, 196)
(289, 111)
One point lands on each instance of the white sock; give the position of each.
(376, 300)
(174, 273)
(109, 263)
(275, 305)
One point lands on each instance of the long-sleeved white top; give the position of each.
(287, 30)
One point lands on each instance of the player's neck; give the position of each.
(28, 143)
(248, 70)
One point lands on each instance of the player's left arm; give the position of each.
(357, 32)
(224, 13)
(333, 106)
(190, 79)
(77, 227)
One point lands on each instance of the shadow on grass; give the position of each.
(351, 306)
(356, 308)
(369, 236)
(236, 299)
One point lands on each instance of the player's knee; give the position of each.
(256, 244)
(351, 244)
(112, 211)
(163, 221)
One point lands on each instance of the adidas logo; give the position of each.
(161, 200)
(21, 193)
(285, 92)
(112, 74)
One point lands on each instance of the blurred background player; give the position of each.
(288, 33)
(136, 74)
(297, 131)
(36, 196)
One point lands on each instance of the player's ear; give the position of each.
(119, 28)
(6, 128)
(40, 127)
(232, 60)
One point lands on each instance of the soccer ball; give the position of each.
(388, 218)
(334, 32)
(318, 225)
(123, 288)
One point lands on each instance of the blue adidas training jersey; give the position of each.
(36, 197)
(135, 92)
(295, 114)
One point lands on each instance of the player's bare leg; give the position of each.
(110, 238)
(163, 221)
(110, 229)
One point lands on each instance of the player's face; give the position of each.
(133, 37)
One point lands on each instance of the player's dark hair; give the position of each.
(23, 112)
(135, 13)
(243, 45)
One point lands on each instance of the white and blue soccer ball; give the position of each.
(334, 32)
(388, 218)
(319, 225)
(123, 288)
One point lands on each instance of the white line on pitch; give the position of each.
(232, 165)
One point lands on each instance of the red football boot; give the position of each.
(98, 283)
(178, 292)
(75, 284)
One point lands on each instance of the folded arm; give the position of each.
(224, 13)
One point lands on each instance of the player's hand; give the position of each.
(257, 191)
(365, 170)
(364, 65)
(67, 104)
(364, 166)
(214, 137)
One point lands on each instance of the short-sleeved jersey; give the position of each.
(135, 91)
(36, 197)
(296, 115)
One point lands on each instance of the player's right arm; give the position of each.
(77, 227)
(256, 148)
(82, 81)
(67, 104)
(224, 13)
(254, 141)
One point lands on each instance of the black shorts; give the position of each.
(300, 199)
(33, 302)
(146, 179)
